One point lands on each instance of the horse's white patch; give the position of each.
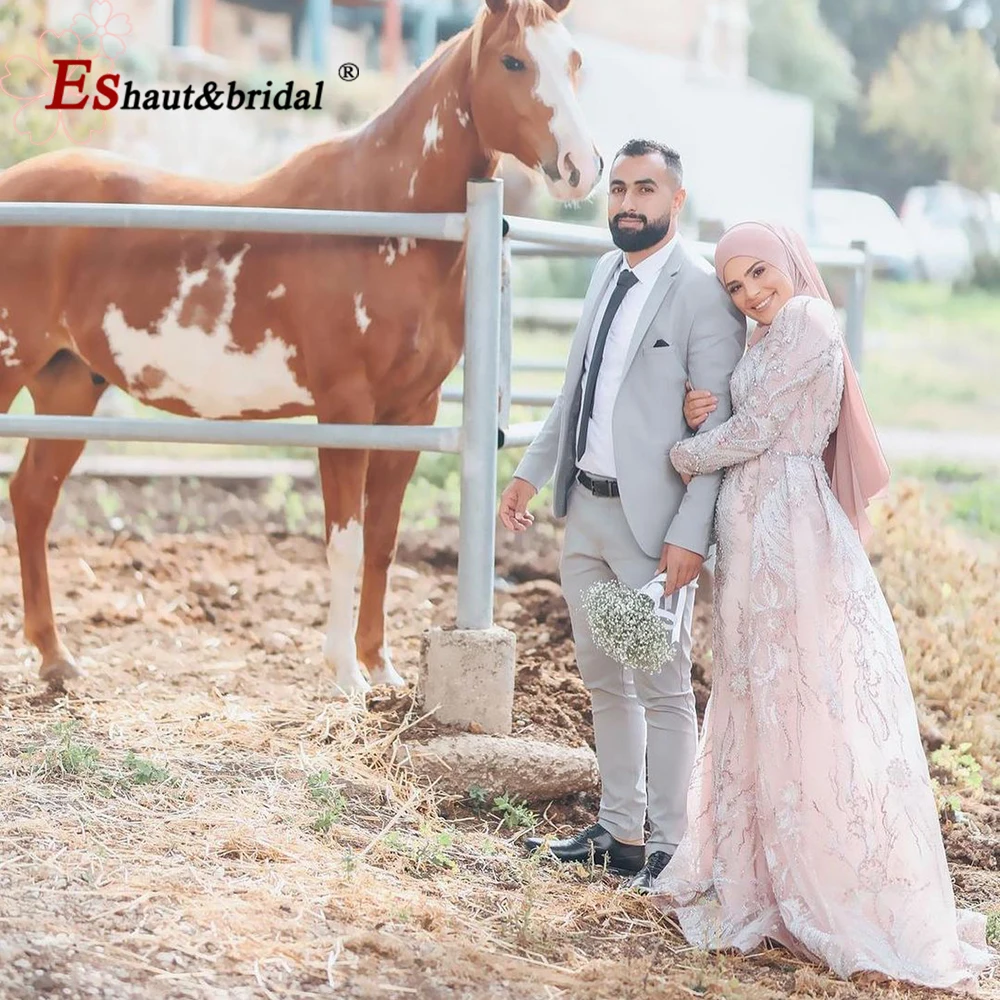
(401, 245)
(8, 347)
(361, 316)
(413, 181)
(276, 292)
(204, 368)
(551, 46)
(344, 553)
(433, 133)
(462, 116)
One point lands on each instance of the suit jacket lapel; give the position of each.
(655, 300)
(578, 350)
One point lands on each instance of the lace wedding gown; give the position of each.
(811, 816)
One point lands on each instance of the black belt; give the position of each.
(599, 487)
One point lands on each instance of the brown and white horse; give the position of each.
(240, 326)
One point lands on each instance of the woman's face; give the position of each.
(759, 289)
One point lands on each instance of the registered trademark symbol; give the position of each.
(349, 71)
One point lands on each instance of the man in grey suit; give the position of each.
(653, 318)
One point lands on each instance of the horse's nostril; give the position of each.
(574, 173)
(551, 171)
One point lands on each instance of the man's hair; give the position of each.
(642, 147)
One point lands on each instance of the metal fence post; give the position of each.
(481, 386)
(506, 339)
(856, 296)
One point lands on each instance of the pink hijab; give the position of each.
(854, 460)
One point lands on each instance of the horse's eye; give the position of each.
(515, 65)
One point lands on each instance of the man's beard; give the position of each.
(634, 240)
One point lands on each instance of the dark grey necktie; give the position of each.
(625, 281)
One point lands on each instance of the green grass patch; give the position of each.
(931, 357)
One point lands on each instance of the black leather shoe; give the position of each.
(594, 842)
(655, 863)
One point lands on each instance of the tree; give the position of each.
(28, 73)
(981, 15)
(791, 49)
(871, 29)
(880, 162)
(941, 92)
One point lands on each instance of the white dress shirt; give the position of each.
(599, 456)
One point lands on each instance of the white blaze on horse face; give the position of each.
(551, 46)
(199, 366)
(344, 553)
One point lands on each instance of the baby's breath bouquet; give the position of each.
(631, 626)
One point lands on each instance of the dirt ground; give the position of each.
(199, 818)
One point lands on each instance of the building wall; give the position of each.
(730, 174)
(711, 34)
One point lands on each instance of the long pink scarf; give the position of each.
(853, 457)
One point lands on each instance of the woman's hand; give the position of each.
(698, 404)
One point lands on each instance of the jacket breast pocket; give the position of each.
(662, 359)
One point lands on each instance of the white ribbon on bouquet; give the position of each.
(654, 590)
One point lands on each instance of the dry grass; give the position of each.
(204, 844)
(942, 588)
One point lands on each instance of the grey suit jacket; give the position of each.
(706, 334)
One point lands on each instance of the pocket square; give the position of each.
(661, 343)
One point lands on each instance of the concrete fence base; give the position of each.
(467, 677)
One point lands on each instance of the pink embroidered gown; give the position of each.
(811, 816)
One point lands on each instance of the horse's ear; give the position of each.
(498, 6)
(558, 5)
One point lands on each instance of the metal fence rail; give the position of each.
(487, 362)
(475, 440)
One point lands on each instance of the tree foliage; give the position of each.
(941, 92)
(791, 49)
(24, 123)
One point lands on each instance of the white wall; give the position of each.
(746, 150)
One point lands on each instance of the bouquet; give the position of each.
(634, 627)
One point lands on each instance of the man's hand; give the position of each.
(514, 505)
(680, 565)
(698, 404)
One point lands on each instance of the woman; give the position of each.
(812, 821)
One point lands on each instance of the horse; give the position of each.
(243, 326)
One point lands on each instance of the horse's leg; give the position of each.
(342, 477)
(63, 386)
(389, 473)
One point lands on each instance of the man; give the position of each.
(653, 317)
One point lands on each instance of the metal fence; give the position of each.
(538, 238)
(487, 364)
(476, 439)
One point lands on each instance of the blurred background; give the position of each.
(874, 120)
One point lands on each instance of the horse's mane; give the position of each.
(521, 15)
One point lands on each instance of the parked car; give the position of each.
(941, 220)
(839, 217)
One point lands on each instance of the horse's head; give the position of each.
(523, 94)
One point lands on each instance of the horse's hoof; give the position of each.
(352, 686)
(56, 671)
(388, 675)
